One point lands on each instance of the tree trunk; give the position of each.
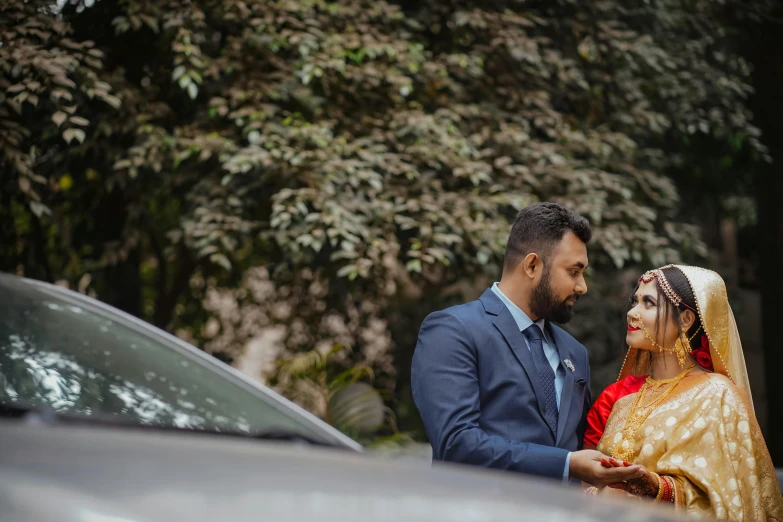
(123, 284)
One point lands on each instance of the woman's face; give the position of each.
(643, 315)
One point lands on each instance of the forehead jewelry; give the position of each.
(666, 288)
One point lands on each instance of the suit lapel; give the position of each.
(508, 327)
(563, 345)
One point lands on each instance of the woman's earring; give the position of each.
(679, 350)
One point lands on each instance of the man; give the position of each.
(496, 383)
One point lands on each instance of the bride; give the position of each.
(682, 408)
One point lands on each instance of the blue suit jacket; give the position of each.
(477, 390)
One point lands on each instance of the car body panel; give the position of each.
(88, 474)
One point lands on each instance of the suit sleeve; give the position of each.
(587, 405)
(445, 385)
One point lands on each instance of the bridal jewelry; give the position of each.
(682, 347)
(680, 344)
(679, 350)
(624, 450)
(663, 284)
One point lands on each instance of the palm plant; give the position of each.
(345, 398)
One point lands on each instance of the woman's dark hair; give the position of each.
(666, 309)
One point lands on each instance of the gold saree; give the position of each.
(705, 437)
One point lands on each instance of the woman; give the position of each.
(681, 407)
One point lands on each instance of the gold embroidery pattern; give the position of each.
(704, 437)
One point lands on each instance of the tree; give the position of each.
(367, 155)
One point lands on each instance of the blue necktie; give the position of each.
(546, 375)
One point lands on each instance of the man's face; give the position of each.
(562, 281)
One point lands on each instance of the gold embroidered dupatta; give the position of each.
(705, 435)
(706, 438)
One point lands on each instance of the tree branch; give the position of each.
(163, 268)
(164, 309)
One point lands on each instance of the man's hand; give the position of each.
(644, 486)
(586, 466)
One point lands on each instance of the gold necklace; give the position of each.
(624, 450)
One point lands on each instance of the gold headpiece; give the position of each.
(665, 286)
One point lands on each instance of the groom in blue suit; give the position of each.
(497, 384)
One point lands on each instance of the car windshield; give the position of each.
(59, 353)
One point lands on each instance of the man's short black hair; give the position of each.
(538, 228)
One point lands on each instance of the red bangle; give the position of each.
(668, 490)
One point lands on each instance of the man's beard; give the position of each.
(544, 303)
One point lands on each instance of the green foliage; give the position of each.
(340, 397)
(367, 155)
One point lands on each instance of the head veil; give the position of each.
(717, 319)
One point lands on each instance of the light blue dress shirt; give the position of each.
(550, 349)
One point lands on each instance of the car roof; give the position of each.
(63, 472)
(8, 282)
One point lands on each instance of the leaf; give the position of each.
(414, 265)
(254, 137)
(24, 185)
(151, 22)
(70, 134)
(192, 91)
(113, 101)
(221, 260)
(78, 120)
(346, 270)
(39, 209)
(64, 81)
(59, 117)
(350, 376)
(66, 182)
(178, 72)
(61, 93)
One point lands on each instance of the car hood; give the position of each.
(68, 474)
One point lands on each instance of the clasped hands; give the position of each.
(596, 469)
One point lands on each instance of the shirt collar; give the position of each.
(521, 318)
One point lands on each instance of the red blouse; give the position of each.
(599, 413)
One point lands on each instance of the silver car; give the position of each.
(107, 419)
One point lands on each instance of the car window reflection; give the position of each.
(73, 360)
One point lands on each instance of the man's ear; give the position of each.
(531, 265)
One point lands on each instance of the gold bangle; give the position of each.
(660, 486)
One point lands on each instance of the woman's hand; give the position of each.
(645, 486)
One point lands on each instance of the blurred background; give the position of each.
(292, 186)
